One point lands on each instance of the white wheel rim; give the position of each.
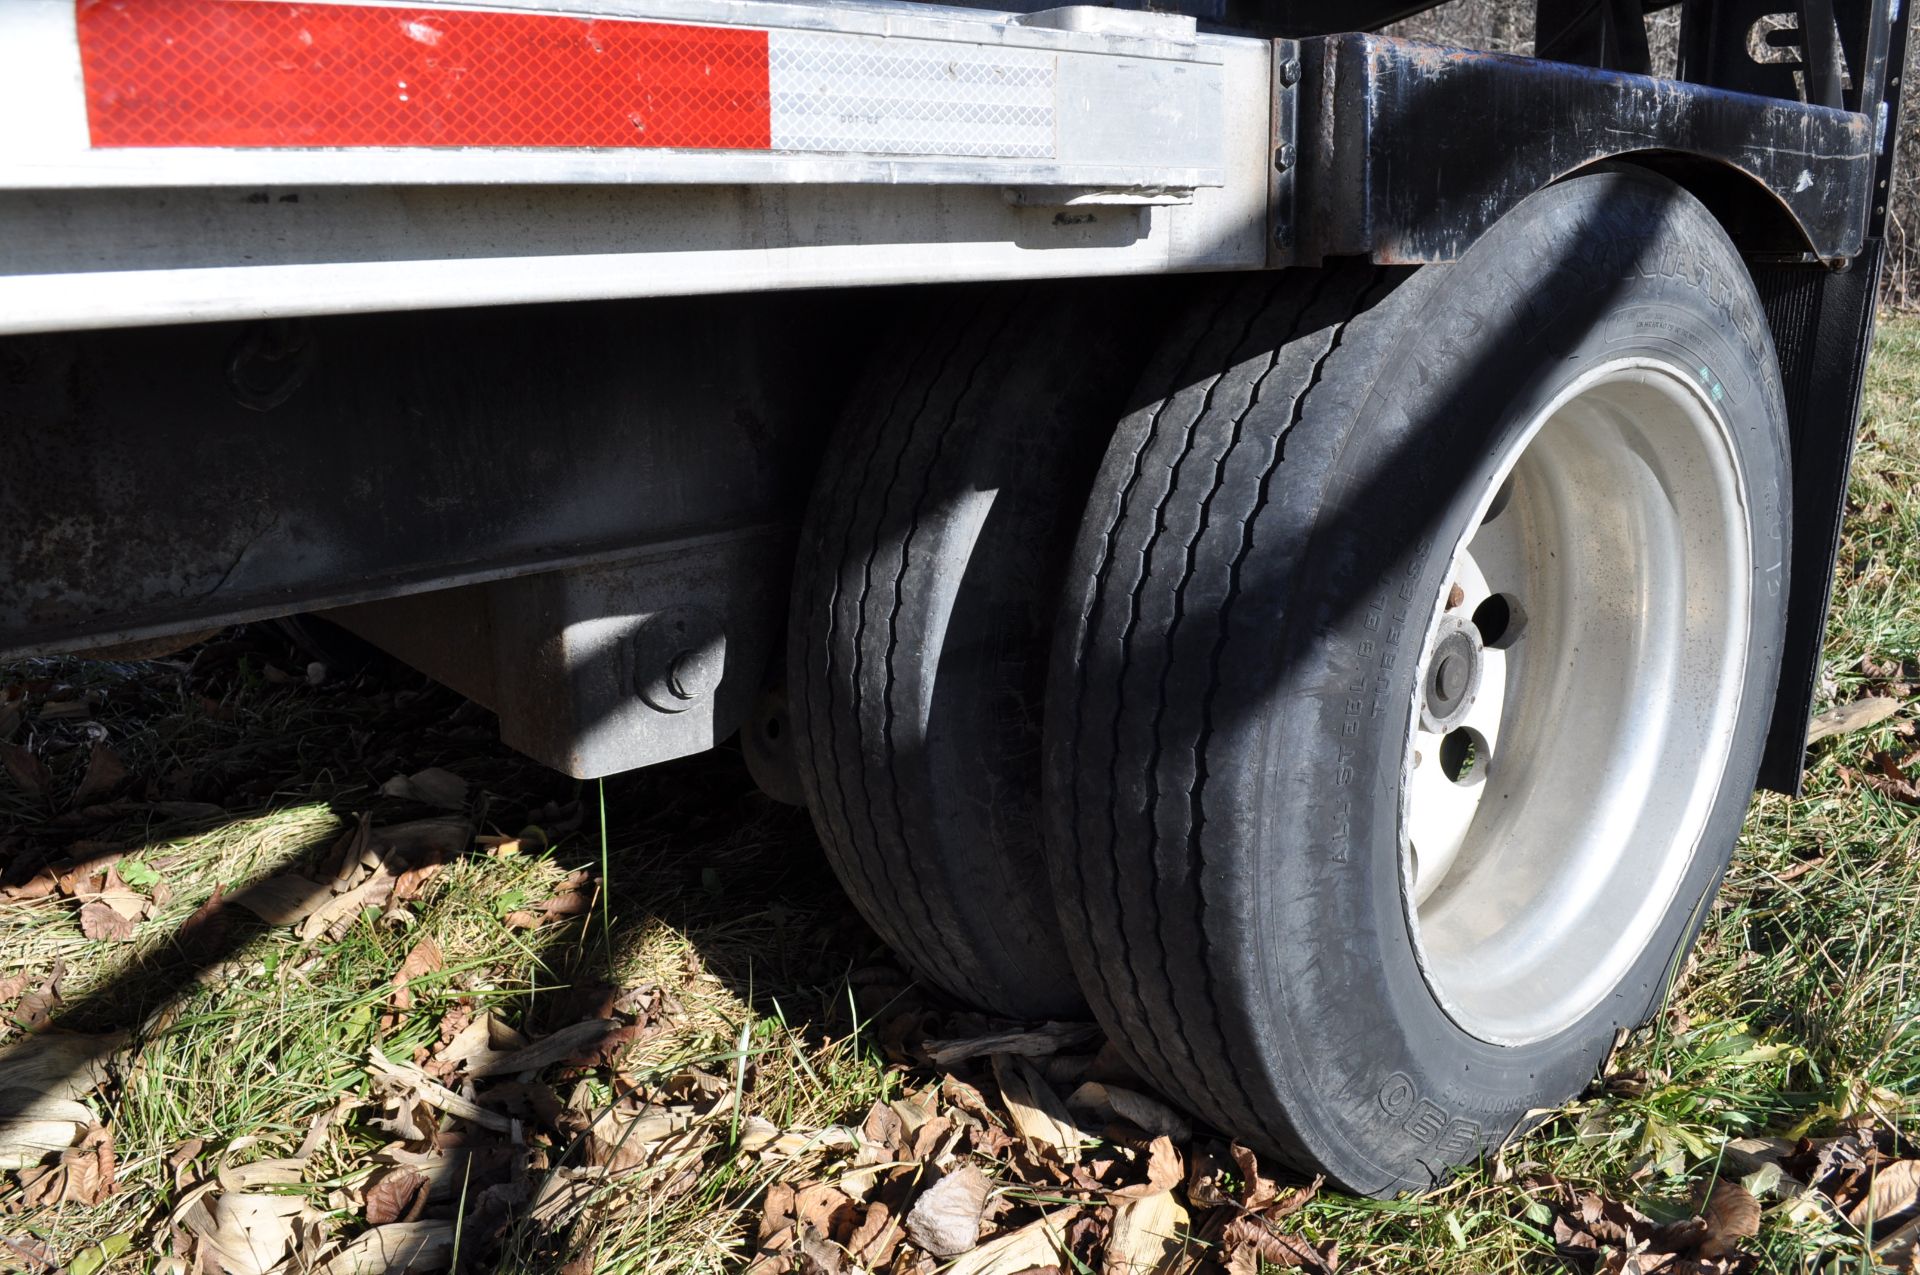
(1617, 541)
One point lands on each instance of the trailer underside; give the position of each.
(318, 427)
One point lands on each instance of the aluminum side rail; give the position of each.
(172, 161)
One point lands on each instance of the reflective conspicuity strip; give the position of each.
(179, 94)
(849, 93)
(134, 94)
(267, 73)
(271, 74)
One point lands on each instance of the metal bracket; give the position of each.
(1408, 152)
(1282, 200)
(604, 668)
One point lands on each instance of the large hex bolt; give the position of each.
(680, 655)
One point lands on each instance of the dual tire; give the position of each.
(1348, 686)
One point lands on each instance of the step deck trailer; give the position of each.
(268, 274)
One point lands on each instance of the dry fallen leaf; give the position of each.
(482, 1038)
(432, 786)
(776, 1218)
(559, 1047)
(945, 1220)
(454, 1164)
(423, 959)
(86, 863)
(1256, 1189)
(826, 1210)
(35, 1126)
(1585, 1221)
(396, 1195)
(249, 1234)
(1894, 1189)
(1164, 1172)
(1034, 1042)
(1889, 776)
(1037, 1113)
(1148, 1237)
(1038, 1243)
(112, 889)
(25, 1253)
(570, 901)
(105, 773)
(1207, 1176)
(1250, 1242)
(181, 1159)
(620, 1140)
(99, 920)
(287, 899)
(1114, 1102)
(874, 1240)
(412, 883)
(1731, 1215)
(37, 886)
(28, 772)
(336, 916)
(799, 1142)
(435, 1094)
(245, 1177)
(83, 1175)
(1900, 1250)
(1858, 715)
(394, 1248)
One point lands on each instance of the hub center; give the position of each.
(1453, 676)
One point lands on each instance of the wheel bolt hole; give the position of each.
(1499, 620)
(1463, 756)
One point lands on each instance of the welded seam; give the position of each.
(928, 473)
(1160, 1061)
(1195, 432)
(1196, 799)
(858, 699)
(1195, 856)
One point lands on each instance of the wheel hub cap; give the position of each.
(1453, 675)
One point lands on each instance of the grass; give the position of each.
(714, 892)
(1800, 1009)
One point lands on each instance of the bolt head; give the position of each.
(696, 673)
(1289, 72)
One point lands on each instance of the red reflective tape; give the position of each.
(267, 73)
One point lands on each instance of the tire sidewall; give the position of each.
(1374, 1074)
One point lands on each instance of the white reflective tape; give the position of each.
(877, 96)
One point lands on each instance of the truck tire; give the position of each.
(926, 586)
(1417, 653)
